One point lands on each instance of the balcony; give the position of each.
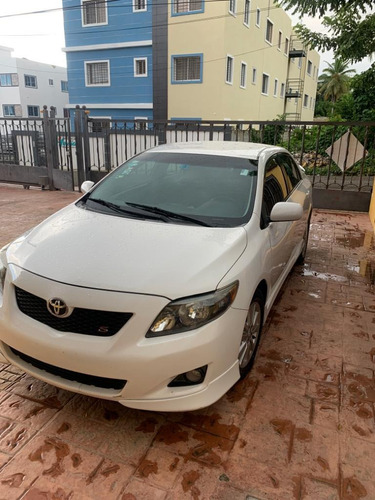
(297, 49)
(294, 88)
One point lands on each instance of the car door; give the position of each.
(275, 190)
(297, 194)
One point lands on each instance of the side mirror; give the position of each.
(86, 186)
(286, 211)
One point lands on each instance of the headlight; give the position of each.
(3, 268)
(192, 312)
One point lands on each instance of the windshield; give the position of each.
(212, 190)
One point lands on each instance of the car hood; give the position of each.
(95, 250)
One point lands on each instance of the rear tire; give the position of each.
(251, 334)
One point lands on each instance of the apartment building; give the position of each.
(187, 59)
(26, 86)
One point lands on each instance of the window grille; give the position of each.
(97, 73)
(229, 73)
(94, 12)
(187, 68)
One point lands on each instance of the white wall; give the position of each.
(8, 64)
(43, 94)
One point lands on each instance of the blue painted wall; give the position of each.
(124, 25)
(124, 86)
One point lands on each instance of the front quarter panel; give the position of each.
(251, 268)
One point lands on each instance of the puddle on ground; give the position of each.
(323, 276)
(364, 268)
(361, 240)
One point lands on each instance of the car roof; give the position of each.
(248, 150)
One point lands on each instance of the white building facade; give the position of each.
(26, 86)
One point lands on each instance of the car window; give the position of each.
(275, 188)
(219, 190)
(291, 170)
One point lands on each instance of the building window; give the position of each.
(12, 110)
(141, 125)
(33, 111)
(94, 12)
(187, 6)
(99, 124)
(187, 69)
(282, 90)
(30, 81)
(305, 100)
(254, 76)
(246, 15)
(8, 80)
(257, 19)
(286, 48)
(139, 5)
(50, 82)
(140, 67)
(243, 75)
(279, 41)
(309, 67)
(299, 62)
(265, 83)
(97, 73)
(275, 87)
(64, 86)
(269, 31)
(229, 70)
(232, 6)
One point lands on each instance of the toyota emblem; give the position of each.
(58, 308)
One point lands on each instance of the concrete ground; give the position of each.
(301, 426)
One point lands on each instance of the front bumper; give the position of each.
(145, 365)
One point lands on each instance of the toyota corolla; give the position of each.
(153, 287)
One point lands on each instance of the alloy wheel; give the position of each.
(250, 334)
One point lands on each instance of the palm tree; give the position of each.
(335, 80)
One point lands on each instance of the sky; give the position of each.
(40, 37)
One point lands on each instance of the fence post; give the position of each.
(79, 148)
(49, 147)
(52, 124)
(86, 143)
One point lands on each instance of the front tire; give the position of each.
(251, 334)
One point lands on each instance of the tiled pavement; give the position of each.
(301, 426)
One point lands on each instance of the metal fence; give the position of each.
(37, 151)
(337, 156)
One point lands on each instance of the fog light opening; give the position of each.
(192, 377)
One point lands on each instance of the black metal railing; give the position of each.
(335, 155)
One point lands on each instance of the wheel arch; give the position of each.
(263, 288)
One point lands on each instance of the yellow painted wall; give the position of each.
(372, 207)
(216, 33)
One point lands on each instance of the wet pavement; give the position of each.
(300, 426)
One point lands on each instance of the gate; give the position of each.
(61, 153)
(37, 151)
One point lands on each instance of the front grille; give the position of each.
(84, 321)
(82, 378)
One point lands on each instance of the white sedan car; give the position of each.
(153, 287)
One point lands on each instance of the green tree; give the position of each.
(344, 107)
(363, 91)
(322, 107)
(335, 80)
(350, 24)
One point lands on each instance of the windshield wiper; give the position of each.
(168, 214)
(117, 208)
